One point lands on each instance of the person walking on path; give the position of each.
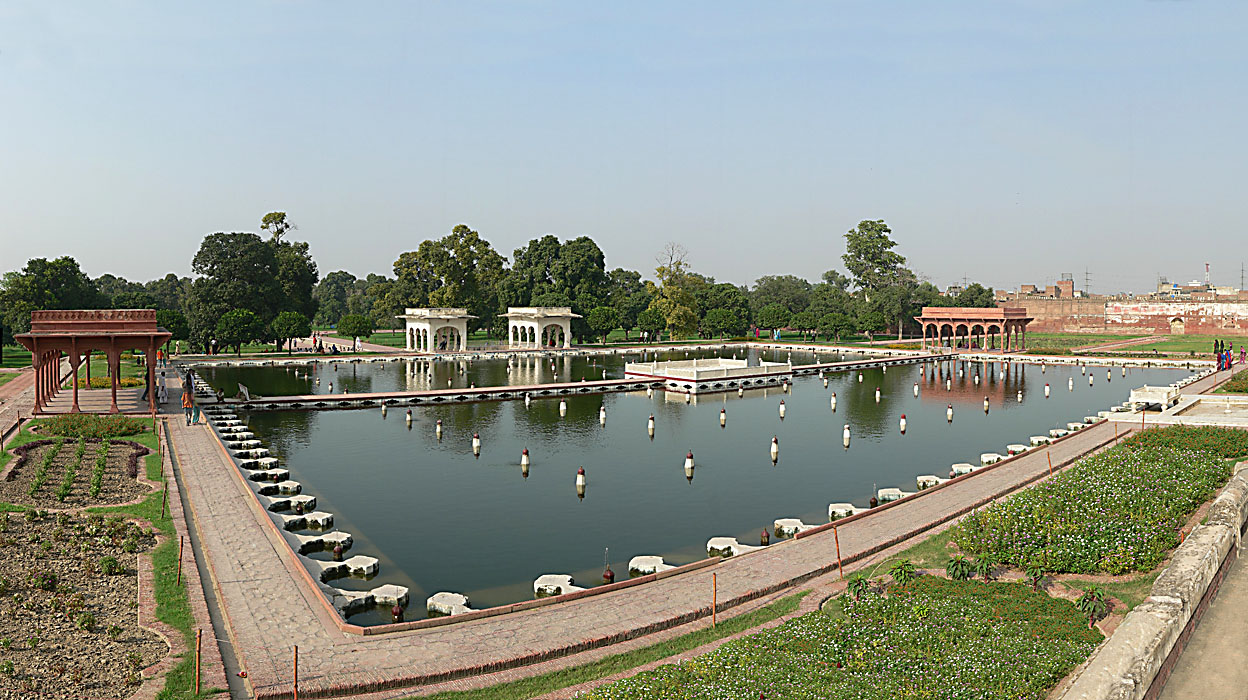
(187, 406)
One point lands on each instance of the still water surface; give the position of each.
(440, 519)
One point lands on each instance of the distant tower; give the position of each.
(1206, 275)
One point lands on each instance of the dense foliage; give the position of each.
(92, 425)
(1113, 512)
(932, 638)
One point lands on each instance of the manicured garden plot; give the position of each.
(54, 474)
(1237, 384)
(68, 624)
(929, 638)
(1227, 443)
(1114, 512)
(91, 425)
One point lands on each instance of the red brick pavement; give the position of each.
(270, 607)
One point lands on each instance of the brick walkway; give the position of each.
(270, 609)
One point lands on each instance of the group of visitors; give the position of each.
(1224, 354)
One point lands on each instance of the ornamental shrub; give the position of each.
(93, 426)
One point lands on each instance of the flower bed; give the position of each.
(107, 382)
(62, 474)
(1227, 443)
(90, 425)
(70, 628)
(930, 638)
(1114, 512)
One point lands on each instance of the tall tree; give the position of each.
(296, 273)
(331, 295)
(45, 284)
(276, 223)
(170, 291)
(236, 271)
(869, 255)
(773, 316)
(289, 325)
(675, 300)
(793, 293)
(461, 269)
(977, 295)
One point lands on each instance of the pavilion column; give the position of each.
(74, 361)
(114, 368)
(151, 374)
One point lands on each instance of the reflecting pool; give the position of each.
(440, 519)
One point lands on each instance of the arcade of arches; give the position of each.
(1003, 329)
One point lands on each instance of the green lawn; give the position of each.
(555, 680)
(1198, 344)
(1072, 340)
(171, 602)
(15, 356)
(99, 368)
(6, 377)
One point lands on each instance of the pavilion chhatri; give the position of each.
(1008, 325)
(55, 334)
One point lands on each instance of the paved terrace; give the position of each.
(270, 607)
(491, 393)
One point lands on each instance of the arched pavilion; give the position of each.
(539, 326)
(990, 329)
(436, 329)
(76, 333)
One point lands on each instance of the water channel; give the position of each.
(440, 519)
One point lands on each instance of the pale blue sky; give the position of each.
(1005, 141)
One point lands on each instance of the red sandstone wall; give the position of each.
(1100, 316)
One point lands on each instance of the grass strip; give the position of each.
(71, 471)
(555, 680)
(97, 474)
(41, 472)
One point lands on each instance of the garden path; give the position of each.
(270, 608)
(1214, 666)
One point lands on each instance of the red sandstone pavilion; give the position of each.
(55, 334)
(1002, 328)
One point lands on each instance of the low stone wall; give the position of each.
(1136, 660)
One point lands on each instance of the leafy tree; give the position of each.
(836, 280)
(871, 322)
(827, 298)
(459, 270)
(111, 285)
(355, 326)
(627, 294)
(275, 222)
(793, 293)
(976, 295)
(174, 322)
(722, 295)
(237, 327)
(45, 284)
(288, 325)
(331, 295)
(869, 255)
(134, 300)
(804, 321)
(297, 274)
(532, 271)
(236, 271)
(630, 307)
(723, 322)
(603, 320)
(170, 291)
(675, 300)
(651, 322)
(772, 316)
(834, 325)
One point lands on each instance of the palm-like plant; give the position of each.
(902, 571)
(985, 568)
(958, 568)
(1035, 572)
(1092, 603)
(858, 586)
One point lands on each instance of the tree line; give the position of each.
(248, 287)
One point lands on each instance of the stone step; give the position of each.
(273, 475)
(647, 564)
(281, 488)
(447, 603)
(548, 585)
(325, 542)
(317, 520)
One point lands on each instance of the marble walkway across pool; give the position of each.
(270, 608)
